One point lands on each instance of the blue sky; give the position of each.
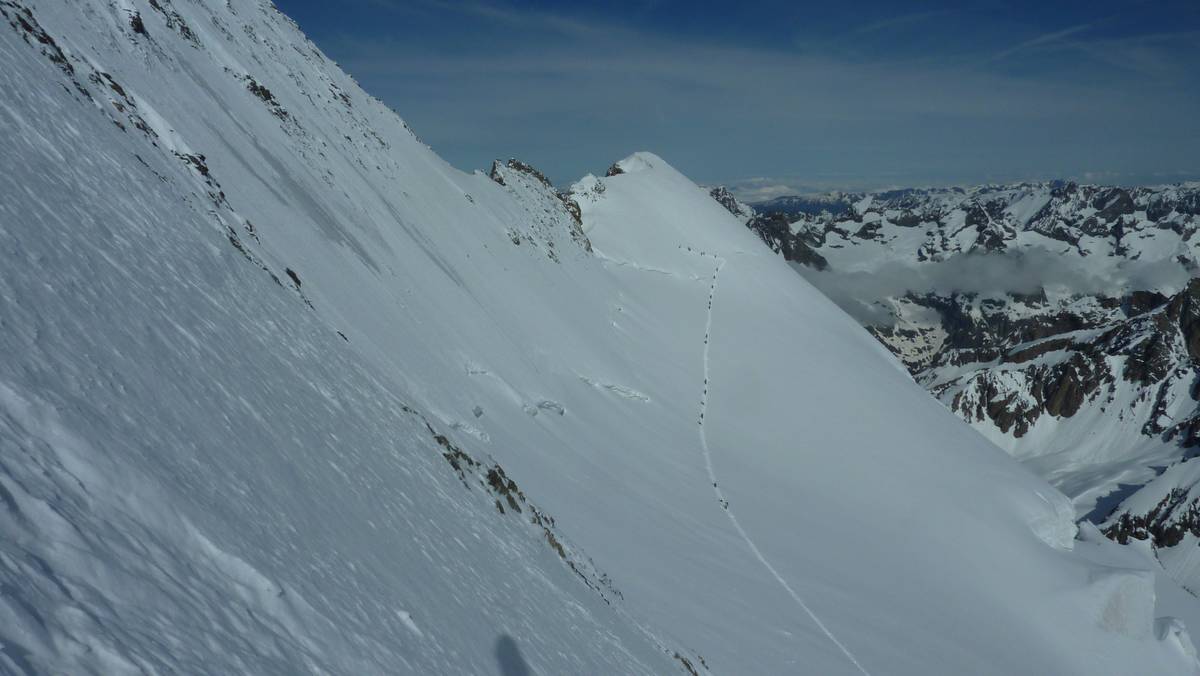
(783, 97)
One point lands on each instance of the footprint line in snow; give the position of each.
(603, 258)
(712, 476)
(619, 390)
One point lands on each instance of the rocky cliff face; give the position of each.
(1056, 364)
(744, 212)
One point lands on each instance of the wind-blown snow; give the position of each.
(253, 330)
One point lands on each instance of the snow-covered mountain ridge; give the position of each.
(286, 393)
(1092, 218)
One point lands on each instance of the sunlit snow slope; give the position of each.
(265, 355)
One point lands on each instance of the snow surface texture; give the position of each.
(266, 354)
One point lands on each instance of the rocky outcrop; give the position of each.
(776, 232)
(517, 165)
(721, 194)
(1184, 312)
(554, 208)
(1086, 356)
(1164, 525)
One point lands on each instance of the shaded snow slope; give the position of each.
(266, 355)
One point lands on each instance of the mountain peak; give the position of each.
(639, 162)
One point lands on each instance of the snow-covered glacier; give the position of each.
(283, 392)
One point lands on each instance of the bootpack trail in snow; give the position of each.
(712, 475)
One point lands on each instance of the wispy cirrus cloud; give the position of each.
(899, 21)
(1038, 41)
(515, 17)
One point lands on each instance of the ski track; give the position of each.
(712, 476)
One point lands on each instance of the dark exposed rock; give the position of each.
(573, 209)
(136, 23)
(265, 95)
(977, 216)
(614, 170)
(1184, 311)
(907, 219)
(1061, 190)
(517, 165)
(496, 482)
(869, 231)
(1164, 525)
(21, 19)
(496, 173)
(1149, 361)
(1114, 203)
(1140, 302)
(259, 90)
(1068, 385)
(775, 230)
(1186, 433)
(503, 486)
(726, 199)
(199, 162)
(687, 664)
(174, 21)
(1059, 372)
(1161, 206)
(1061, 232)
(1094, 227)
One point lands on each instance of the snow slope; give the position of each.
(284, 392)
(829, 460)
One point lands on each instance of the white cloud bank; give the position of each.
(993, 275)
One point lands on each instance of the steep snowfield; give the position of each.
(263, 348)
